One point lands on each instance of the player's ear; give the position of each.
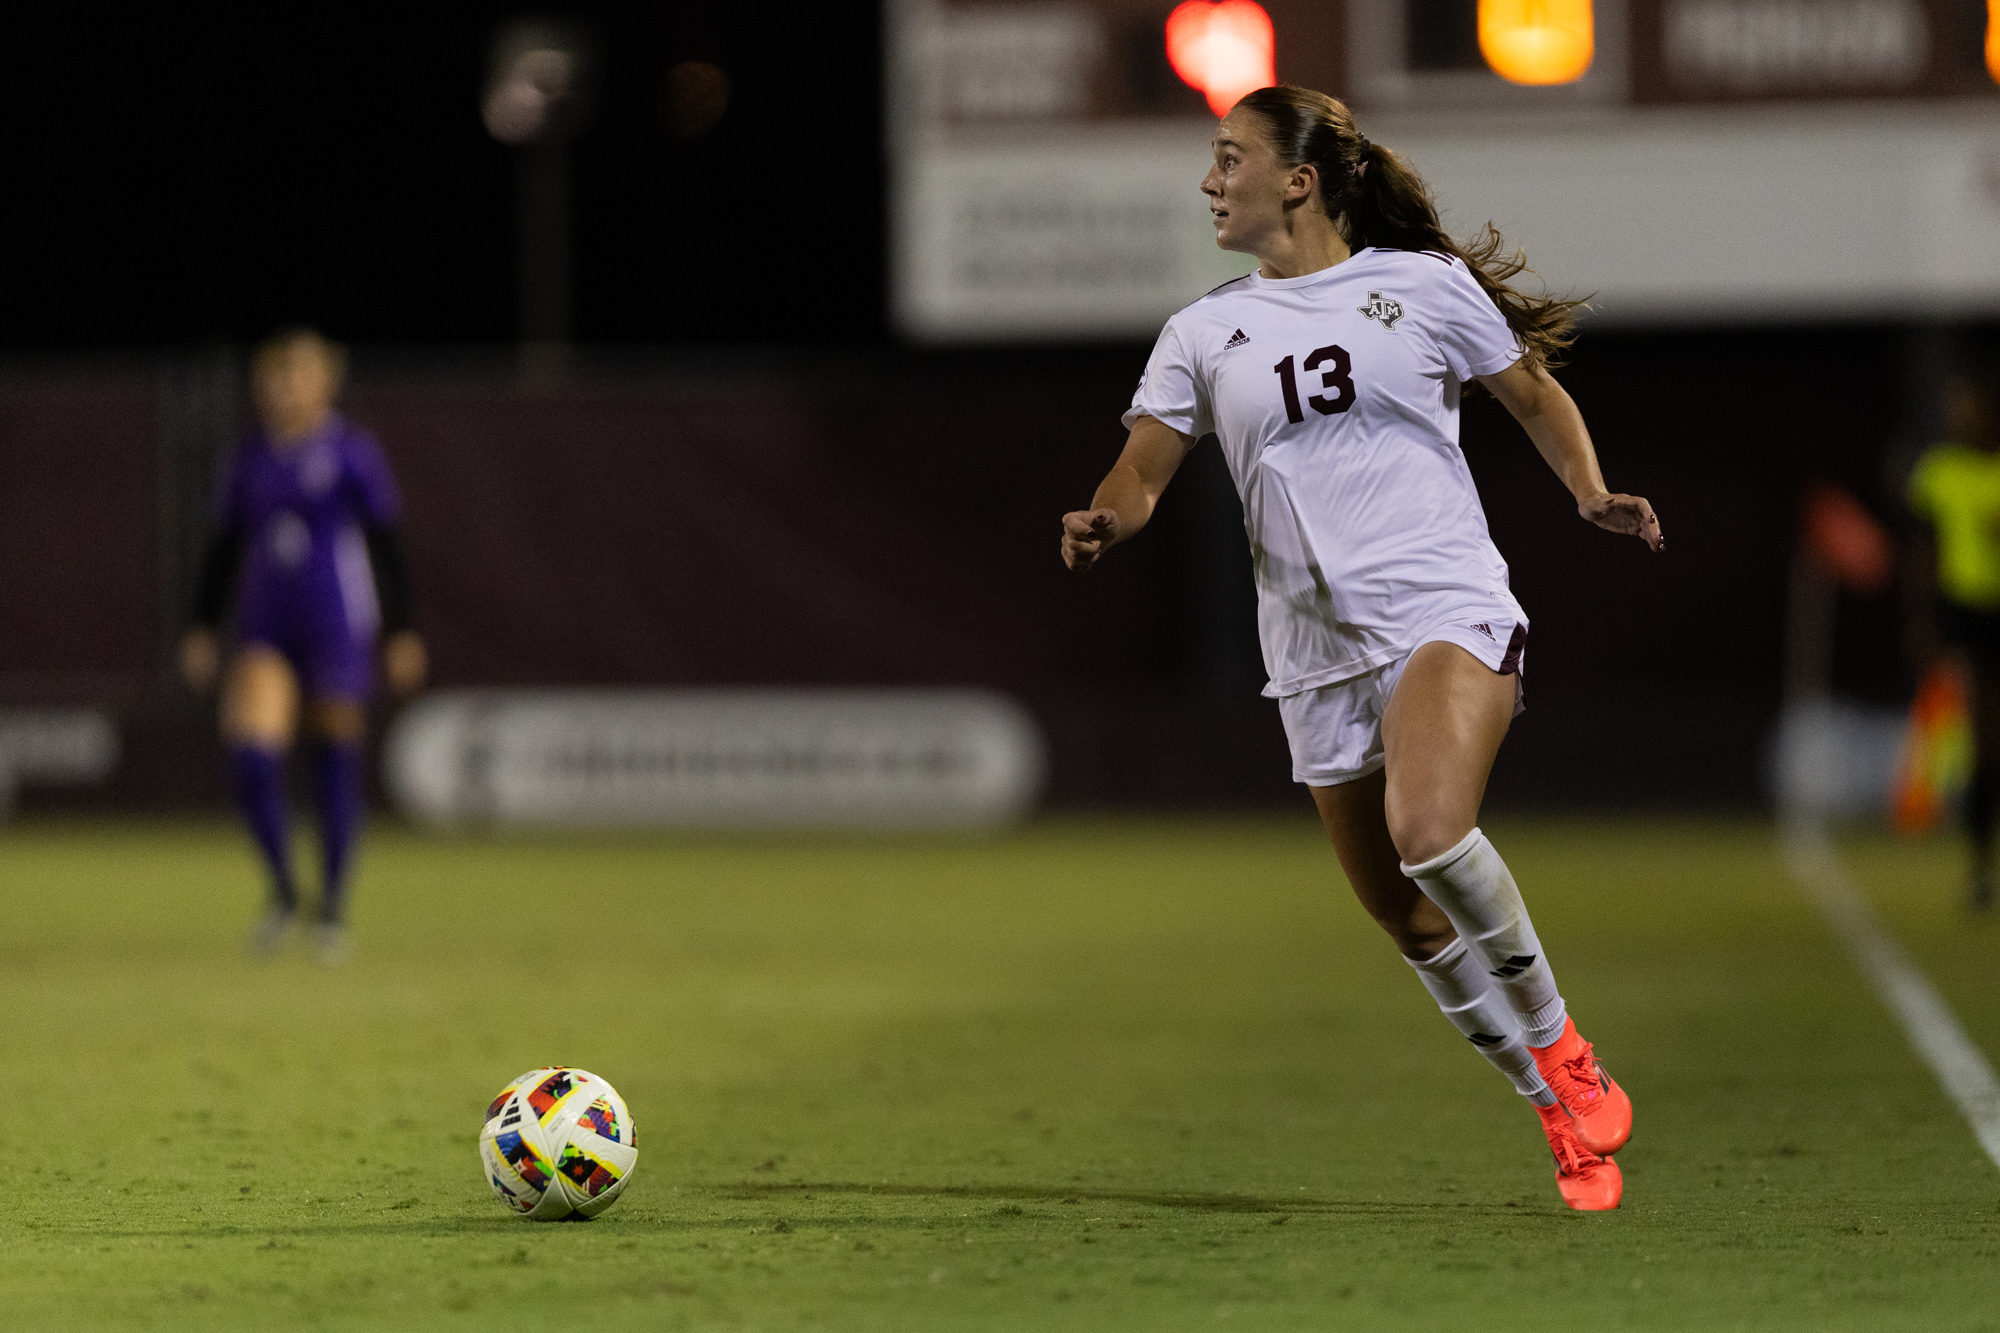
(1302, 183)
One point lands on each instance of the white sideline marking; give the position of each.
(1933, 1029)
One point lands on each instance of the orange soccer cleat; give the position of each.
(1600, 1108)
(1587, 1182)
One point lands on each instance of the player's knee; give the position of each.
(260, 733)
(1423, 834)
(336, 720)
(255, 718)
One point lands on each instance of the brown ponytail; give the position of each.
(1378, 200)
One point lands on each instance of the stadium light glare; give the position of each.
(1222, 49)
(537, 85)
(1537, 42)
(519, 105)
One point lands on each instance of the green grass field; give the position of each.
(1095, 1076)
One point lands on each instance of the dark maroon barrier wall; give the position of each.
(728, 531)
(79, 560)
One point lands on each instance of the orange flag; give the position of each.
(1937, 753)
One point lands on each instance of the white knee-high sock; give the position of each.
(1473, 887)
(1458, 982)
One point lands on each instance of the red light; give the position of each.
(1224, 49)
(1847, 541)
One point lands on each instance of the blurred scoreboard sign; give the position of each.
(1045, 157)
(1726, 50)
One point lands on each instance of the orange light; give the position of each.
(1539, 42)
(1224, 49)
(1993, 39)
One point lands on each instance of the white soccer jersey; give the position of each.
(1335, 397)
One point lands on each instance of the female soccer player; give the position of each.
(1332, 378)
(1955, 494)
(304, 537)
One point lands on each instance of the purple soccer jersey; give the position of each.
(306, 587)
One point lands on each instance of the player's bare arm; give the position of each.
(201, 658)
(1549, 415)
(1125, 498)
(406, 662)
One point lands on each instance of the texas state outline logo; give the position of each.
(1383, 309)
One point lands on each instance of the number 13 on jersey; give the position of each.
(1339, 378)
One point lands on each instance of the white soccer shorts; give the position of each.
(1336, 730)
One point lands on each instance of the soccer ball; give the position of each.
(558, 1141)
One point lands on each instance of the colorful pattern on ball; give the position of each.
(511, 1197)
(526, 1159)
(500, 1101)
(586, 1172)
(602, 1117)
(547, 1099)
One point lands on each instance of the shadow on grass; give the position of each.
(645, 1220)
(502, 1224)
(1189, 1202)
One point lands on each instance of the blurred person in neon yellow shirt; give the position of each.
(1955, 493)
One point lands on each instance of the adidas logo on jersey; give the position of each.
(1381, 308)
(1236, 339)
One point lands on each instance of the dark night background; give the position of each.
(180, 174)
(179, 185)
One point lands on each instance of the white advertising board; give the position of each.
(734, 758)
(60, 746)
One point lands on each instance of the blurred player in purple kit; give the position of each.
(304, 543)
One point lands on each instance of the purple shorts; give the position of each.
(332, 661)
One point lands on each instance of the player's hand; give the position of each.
(405, 662)
(1624, 513)
(201, 659)
(1087, 535)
